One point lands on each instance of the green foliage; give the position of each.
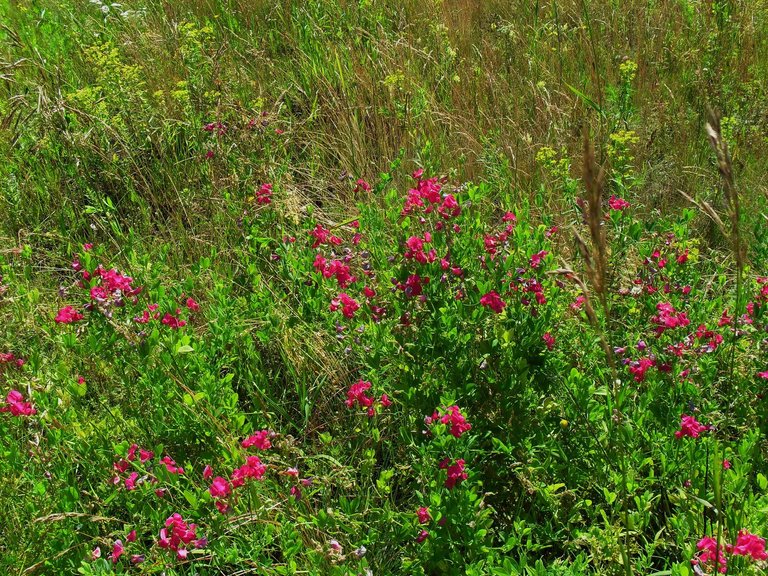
(149, 132)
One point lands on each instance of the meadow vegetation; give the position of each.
(388, 287)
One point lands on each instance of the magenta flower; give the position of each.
(170, 465)
(357, 395)
(16, 405)
(493, 301)
(219, 488)
(456, 472)
(423, 515)
(456, 420)
(261, 440)
(117, 551)
(750, 545)
(423, 535)
(709, 551)
(690, 427)
(68, 315)
(616, 203)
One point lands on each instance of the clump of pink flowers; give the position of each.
(493, 301)
(456, 472)
(15, 404)
(453, 418)
(709, 551)
(177, 535)
(68, 315)
(264, 194)
(347, 304)
(259, 440)
(357, 396)
(690, 427)
(616, 203)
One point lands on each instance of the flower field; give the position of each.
(383, 288)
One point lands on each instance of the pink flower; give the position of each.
(362, 186)
(456, 473)
(207, 472)
(457, 421)
(616, 203)
(292, 472)
(726, 464)
(253, 468)
(173, 322)
(170, 465)
(493, 301)
(347, 304)
(219, 488)
(192, 304)
(324, 236)
(176, 534)
(16, 405)
(385, 401)
(763, 375)
(260, 440)
(96, 553)
(117, 551)
(710, 551)
(68, 315)
(536, 259)
(690, 427)
(423, 535)
(131, 536)
(264, 194)
(356, 395)
(130, 482)
(750, 545)
(549, 340)
(423, 515)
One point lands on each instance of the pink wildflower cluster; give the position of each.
(456, 472)
(334, 269)
(638, 368)
(324, 236)
(15, 404)
(362, 186)
(68, 315)
(10, 358)
(356, 396)
(747, 544)
(177, 535)
(616, 203)
(111, 286)
(493, 301)
(453, 418)
(427, 195)
(493, 242)
(668, 318)
(264, 194)
(690, 427)
(172, 320)
(413, 287)
(118, 549)
(216, 127)
(415, 249)
(260, 440)
(710, 552)
(346, 303)
(221, 488)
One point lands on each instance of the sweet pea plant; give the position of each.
(215, 359)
